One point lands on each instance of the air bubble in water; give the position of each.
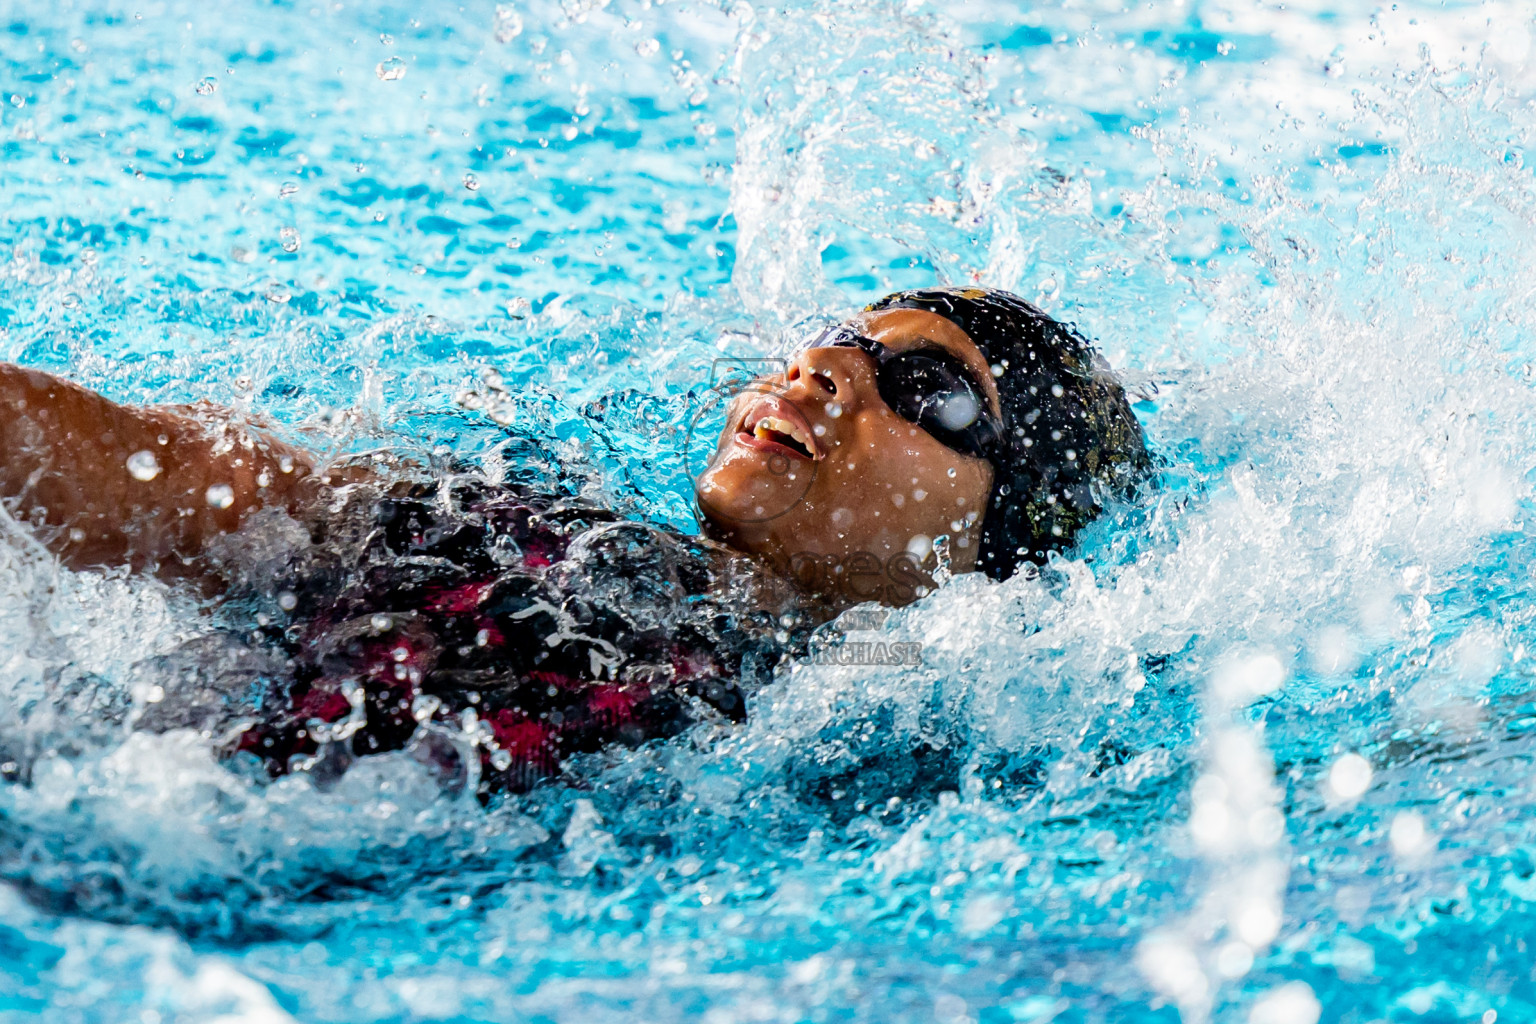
(647, 47)
(509, 23)
(143, 466)
(287, 190)
(471, 182)
(220, 496)
(390, 70)
(289, 239)
(207, 86)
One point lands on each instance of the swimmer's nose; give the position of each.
(836, 373)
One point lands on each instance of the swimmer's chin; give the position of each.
(717, 524)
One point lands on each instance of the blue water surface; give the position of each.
(1258, 750)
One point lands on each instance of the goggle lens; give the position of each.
(929, 387)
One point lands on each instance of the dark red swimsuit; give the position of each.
(532, 628)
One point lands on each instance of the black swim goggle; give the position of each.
(930, 387)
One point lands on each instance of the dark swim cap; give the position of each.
(1070, 440)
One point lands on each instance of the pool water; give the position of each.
(1259, 750)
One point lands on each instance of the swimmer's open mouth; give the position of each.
(774, 425)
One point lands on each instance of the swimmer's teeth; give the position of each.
(768, 426)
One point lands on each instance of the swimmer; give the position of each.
(495, 631)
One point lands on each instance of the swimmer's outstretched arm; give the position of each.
(106, 484)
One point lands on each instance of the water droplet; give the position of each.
(390, 70)
(1350, 776)
(386, 39)
(381, 622)
(143, 466)
(950, 472)
(509, 23)
(18, 101)
(1408, 834)
(207, 86)
(834, 409)
(286, 601)
(647, 47)
(289, 239)
(424, 707)
(278, 293)
(287, 190)
(471, 182)
(220, 496)
(1291, 1003)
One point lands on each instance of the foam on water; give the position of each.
(1258, 750)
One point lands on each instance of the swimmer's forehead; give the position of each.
(902, 329)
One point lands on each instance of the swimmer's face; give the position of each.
(816, 473)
